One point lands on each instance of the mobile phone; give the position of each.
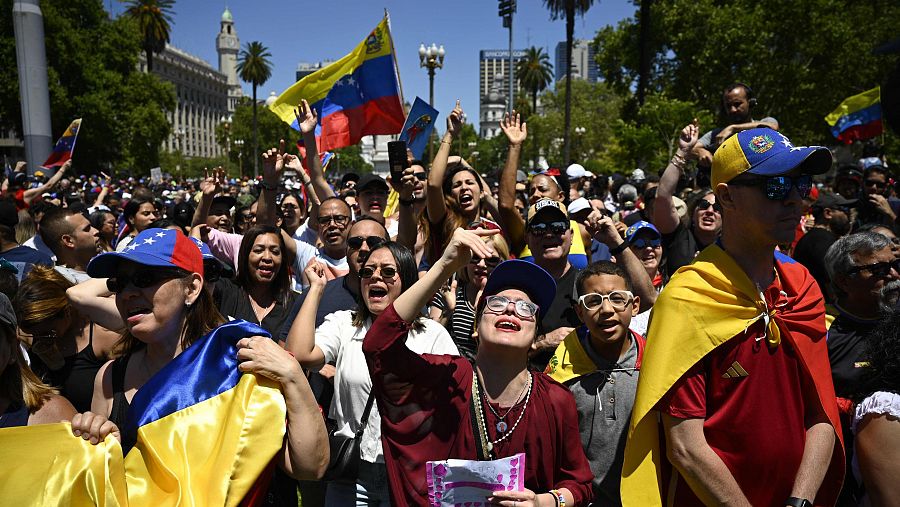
(397, 160)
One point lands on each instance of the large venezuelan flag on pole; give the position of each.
(356, 96)
(858, 117)
(65, 146)
(199, 433)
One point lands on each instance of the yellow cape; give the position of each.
(569, 360)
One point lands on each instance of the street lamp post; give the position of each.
(579, 133)
(179, 136)
(431, 58)
(226, 124)
(239, 144)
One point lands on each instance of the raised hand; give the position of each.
(273, 164)
(406, 187)
(212, 182)
(455, 120)
(464, 244)
(315, 273)
(688, 139)
(516, 131)
(306, 117)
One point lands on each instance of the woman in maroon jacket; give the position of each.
(431, 405)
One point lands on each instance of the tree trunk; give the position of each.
(570, 35)
(149, 60)
(534, 144)
(255, 142)
(644, 50)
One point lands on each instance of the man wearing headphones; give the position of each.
(737, 103)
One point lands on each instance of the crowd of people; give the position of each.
(723, 330)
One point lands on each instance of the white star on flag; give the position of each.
(351, 81)
(132, 246)
(160, 234)
(149, 241)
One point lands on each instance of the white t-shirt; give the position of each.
(306, 234)
(341, 342)
(334, 268)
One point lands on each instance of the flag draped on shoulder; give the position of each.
(198, 433)
(858, 117)
(356, 96)
(65, 146)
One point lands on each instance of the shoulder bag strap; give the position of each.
(364, 420)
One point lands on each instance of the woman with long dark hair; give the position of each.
(260, 292)
(441, 407)
(105, 223)
(389, 270)
(138, 214)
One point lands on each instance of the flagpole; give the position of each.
(394, 53)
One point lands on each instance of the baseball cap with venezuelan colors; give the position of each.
(544, 206)
(162, 248)
(766, 152)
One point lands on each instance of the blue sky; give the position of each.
(308, 31)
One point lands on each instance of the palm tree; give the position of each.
(535, 73)
(568, 9)
(154, 19)
(255, 68)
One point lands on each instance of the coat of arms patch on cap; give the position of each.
(761, 144)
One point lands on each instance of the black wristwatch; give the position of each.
(798, 502)
(618, 249)
(405, 202)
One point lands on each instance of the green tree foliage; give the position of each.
(92, 74)
(801, 58)
(349, 160)
(255, 68)
(154, 22)
(595, 108)
(568, 9)
(535, 73)
(269, 127)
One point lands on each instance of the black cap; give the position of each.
(349, 177)
(833, 201)
(224, 199)
(371, 180)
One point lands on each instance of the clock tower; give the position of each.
(228, 45)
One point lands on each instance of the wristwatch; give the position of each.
(616, 250)
(404, 202)
(798, 502)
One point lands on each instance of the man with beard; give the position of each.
(863, 271)
(832, 220)
(73, 241)
(737, 104)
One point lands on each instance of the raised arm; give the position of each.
(604, 230)
(94, 300)
(273, 167)
(301, 339)
(462, 246)
(434, 195)
(511, 220)
(103, 191)
(31, 193)
(665, 217)
(307, 120)
(407, 226)
(210, 186)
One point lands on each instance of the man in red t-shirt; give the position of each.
(746, 404)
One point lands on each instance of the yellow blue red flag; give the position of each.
(858, 117)
(356, 96)
(65, 146)
(199, 433)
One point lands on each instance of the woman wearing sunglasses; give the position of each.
(645, 241)
(389, 270)
(260, 292)
(67, 347)
(161, 298)
(454, 305)
(438, 407)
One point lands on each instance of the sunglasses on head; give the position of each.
(704, 205)
(524, 309)
(387, 272)
(778, 188)
(553, 227)
(356, 242)
(142, 279)
(644, 243)
(879, 269)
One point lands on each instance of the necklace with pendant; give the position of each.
(501, 423)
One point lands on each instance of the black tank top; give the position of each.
(75, 380)
(120, 404)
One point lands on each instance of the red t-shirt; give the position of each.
(752, 399)
(424, 405)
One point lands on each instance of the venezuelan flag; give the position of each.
(356, 96)
(858, 117)
(64, 146)
(199, 433)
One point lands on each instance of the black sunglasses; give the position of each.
(879, 269)
(142, 279)
(644, 243)
(356, 242)
(553, 227)
(421, 175)
(387, 272)
(338, 219)
(876, 183)
(488, 261)
(777, 188)
(705, 205)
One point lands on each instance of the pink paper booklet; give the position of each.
(466, 483)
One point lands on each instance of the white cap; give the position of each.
(578, 205)
(575, 171)
(638, 175)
